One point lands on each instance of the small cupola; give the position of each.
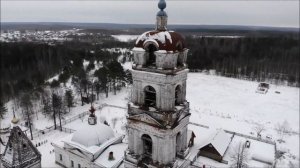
(161, 16)
(160, 49)
(15, 120)
(92, 120)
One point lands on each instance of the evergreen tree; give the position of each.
(58, 109)
(26, 105)
(102, 75)
(69, 98)
(47, 106)
(97, 88)
(116, 73)
(3, 110)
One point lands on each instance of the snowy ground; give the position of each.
(217, 102)
(125, 38)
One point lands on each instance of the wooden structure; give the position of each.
(20, 152)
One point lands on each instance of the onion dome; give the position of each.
(14, 120)
(93, 135)
(161, 38)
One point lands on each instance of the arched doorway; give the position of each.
(147, 145)
(178, 92)
(150, 96)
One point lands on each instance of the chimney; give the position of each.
(111, 156)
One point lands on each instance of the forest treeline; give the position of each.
(272, 59)
(26, 66)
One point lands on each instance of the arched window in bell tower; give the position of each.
(150, 96)
(150, 49)
(178, 91)
(147, 145)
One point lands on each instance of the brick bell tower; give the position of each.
(158, 113)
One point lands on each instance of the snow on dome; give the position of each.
(166, 40)
(93, 135)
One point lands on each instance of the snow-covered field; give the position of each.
(217, 102)
(125, 38)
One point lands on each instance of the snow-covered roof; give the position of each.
(118, 153)
(93, 135)
(159, 36)
(220, 141)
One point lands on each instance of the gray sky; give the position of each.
(223, 12)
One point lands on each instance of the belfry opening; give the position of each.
(147, 145)
(151, 48)
(150, 96)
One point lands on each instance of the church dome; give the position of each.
(93, 135)
(162, 40)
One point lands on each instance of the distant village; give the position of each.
(47, 36)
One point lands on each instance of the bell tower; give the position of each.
(158, 113)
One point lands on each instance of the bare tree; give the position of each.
(69, 99)
(293, 164)
(283, 129)
(26, 105)
(58, 108)
(239, 156)
(3, 110)
(46, 101)
(259, 128)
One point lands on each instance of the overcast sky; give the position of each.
(223, 12)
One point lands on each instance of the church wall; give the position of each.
(67, 157)
(182, 56)
(164, 86)
(166, 60)
(139, 58)
(58, 152)
(163, 141)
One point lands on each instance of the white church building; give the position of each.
(159, 133)
(93, 145)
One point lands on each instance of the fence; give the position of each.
(200, 125)
(110, 105)
(38, 132)
(239, 134)
(68, 130)
(251, 137)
